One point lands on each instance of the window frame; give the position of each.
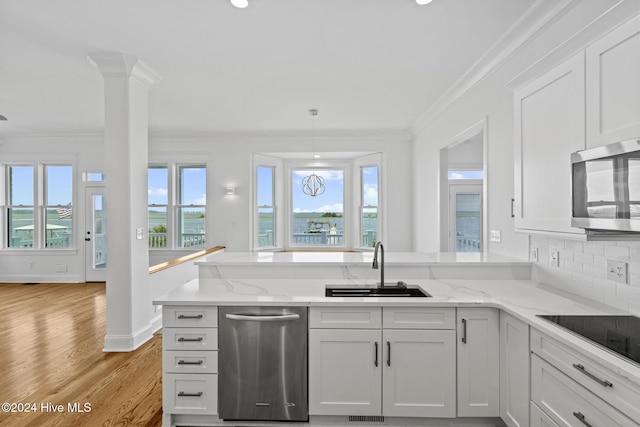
(173, 196)
(40, 184)
(284, 163)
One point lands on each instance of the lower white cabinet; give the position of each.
(390, 372)
(540, 419)
(478, 362)
(514, 371)
(189, 362)
(568, 403)
(345, 372)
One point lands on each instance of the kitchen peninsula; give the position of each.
(476, 351)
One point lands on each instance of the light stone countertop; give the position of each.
(523, 299)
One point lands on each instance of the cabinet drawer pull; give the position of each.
(188, 316)
(183, 394)
(464, 331)
(184, 362)
(388, 353)
(580, 416)
(183, 339)
(375, 349)
(593, 377)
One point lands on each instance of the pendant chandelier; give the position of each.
(313, 185)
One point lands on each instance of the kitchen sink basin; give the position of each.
(393, 290)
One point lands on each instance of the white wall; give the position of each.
(228, 164)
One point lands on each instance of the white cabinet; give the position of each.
(419, 373)
(572, 389)
(478, 362)
(613, 86)
(514, 372)
(345, 372)
(394, 370)
(549, 126)
(189, 362)
(568, 403)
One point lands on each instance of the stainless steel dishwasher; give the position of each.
(263, 363)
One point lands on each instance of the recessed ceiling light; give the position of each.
(240, 4)
(423, 2)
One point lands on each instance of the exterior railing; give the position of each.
(188, 240)
(265, 239)
(467, 244)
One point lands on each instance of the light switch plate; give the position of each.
(554, 258)
(139, 233)
(617, 271)
(533, 255)
(495, 236)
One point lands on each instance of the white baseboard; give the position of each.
(125, 343)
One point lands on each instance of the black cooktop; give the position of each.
(618, 334)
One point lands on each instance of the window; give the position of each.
(265, 199)
(177, 206)
(158, 200)
(48, 224)
(191, 206)
(369, 206)
(317, 220)
(347, 215)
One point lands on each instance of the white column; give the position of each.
(129, 310)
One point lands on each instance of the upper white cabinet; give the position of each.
(549, 126)
(613, 86)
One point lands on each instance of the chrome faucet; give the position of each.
(375, 262)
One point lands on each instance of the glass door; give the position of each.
(95, 235)
(465, 218)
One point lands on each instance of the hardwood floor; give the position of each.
(51, 340)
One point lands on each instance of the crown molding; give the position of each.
(539, 16)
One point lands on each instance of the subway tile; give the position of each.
(617, 252)
(594, 248)
(583, 258)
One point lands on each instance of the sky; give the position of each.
(59, 189)
(193, 186)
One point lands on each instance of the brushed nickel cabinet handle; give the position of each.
(580, 416)
(184, 362)
(188, 316)
(183, 339)
(582, 369)
(375, 362)
(464, 331)
(388, 353)
(183, 394)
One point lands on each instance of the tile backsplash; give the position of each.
(582, 269)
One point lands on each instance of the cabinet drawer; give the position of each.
(622, 393)
(190, 394)
(345, 317)
(190, 338)
(190, 361)
(568, 403)
(418, 318)
(189, 316)
(540, 419)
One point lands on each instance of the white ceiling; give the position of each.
(367, 65)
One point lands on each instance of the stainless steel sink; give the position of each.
(392, 290)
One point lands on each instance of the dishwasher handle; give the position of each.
(274, 318)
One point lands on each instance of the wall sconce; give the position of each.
(229, 191)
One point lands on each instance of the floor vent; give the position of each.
(366, 419)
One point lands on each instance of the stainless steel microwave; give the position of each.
(606, 187)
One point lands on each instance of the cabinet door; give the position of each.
(419, 373)
(514, 371)
(478, 362)
(345, 372)
(613, 86)
(549, 126)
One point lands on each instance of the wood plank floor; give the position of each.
(51, 340)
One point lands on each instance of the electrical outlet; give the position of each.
(617, 271)
(554, 258)
(533, 255)
(139, 233)
(61, 268)
(495, 236)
